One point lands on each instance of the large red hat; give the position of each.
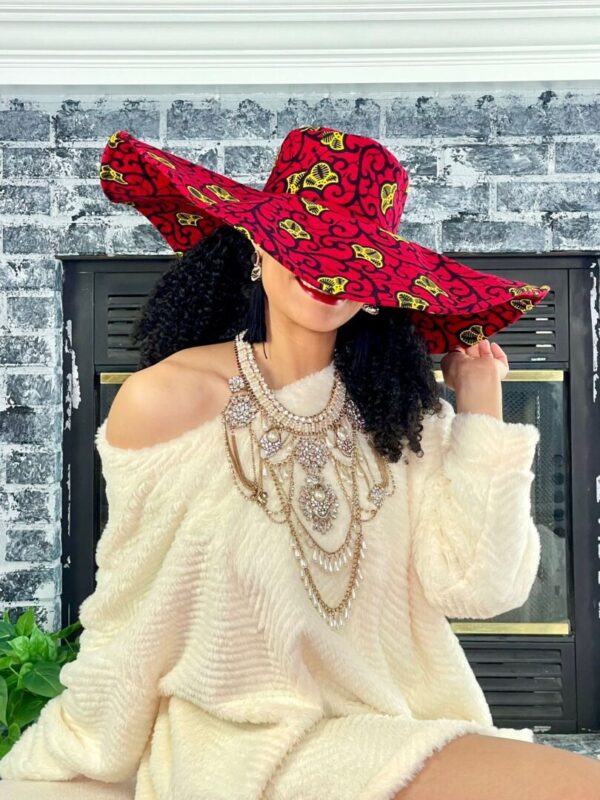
(328, 212)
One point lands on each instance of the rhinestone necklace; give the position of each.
(278, 441)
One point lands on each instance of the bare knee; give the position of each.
(473, 766)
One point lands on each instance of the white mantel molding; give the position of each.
(147, 42)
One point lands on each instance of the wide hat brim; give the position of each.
(449, 303)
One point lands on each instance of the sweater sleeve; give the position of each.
(475, 546)
(99, 724)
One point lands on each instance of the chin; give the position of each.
(317, 316)
(319, 325)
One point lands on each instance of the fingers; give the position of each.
(482, 348)
(485, 348)
(492, 349)
(499, 353)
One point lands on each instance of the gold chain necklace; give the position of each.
(278, 441)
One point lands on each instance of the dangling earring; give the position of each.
(370, 309)
(255, 322)
(257, 268)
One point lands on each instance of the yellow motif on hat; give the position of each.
(294, 229)
(179, 253)
(407, 300)
(320, 176)
(162, 160)
(107, 173)
(313, 208)
(114, 141)
(334, 140)
(395, 236)
(294, 181)
(221, 193)
(333, 285)
(200, 196)
(245, 231)
(183, 218)
(387, 192)
(523, 305)
(472, 335)
(528, 287)
(310, 128)
(430, 286)
(368, 254)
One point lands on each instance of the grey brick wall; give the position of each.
(505, 171)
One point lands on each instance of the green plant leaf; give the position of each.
(12, 678)
(20, 645)
(7, 660)
(7, 630)
(25, 623)
(43, 680)
(5, 647)
(7, 741)
(38, 645)
(5, 746)
(30, 665)
(25, 668)
(52, 649)
(28, 709)
(3, 700)
(62, 634)
(15, 698)
(14, 732)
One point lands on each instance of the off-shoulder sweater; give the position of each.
(205, 671)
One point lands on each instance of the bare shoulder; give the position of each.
(179, 393)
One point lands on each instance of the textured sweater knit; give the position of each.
(204, 670)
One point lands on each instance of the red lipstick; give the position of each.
(320, 296)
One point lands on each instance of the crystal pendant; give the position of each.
(271, 441)
(377, 494)
(319, 504)
(240, 410)
(236, 383)
(344, 442)
(311, 453)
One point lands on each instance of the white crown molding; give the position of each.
(147, 42)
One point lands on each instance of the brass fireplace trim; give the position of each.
(524, 375)
(114, 377)
(562, 628)
(513, 375)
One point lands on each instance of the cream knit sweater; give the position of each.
(204, 667)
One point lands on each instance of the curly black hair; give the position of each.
(206, 296)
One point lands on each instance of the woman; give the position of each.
(261, 437)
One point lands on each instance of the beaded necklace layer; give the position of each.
(279, 441)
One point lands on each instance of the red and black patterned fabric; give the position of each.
(328, 212)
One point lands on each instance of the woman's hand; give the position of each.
(474, 366)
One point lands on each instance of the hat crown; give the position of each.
(343, 171)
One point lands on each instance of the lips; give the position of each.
(316, 294)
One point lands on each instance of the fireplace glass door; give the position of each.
(537, 397)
